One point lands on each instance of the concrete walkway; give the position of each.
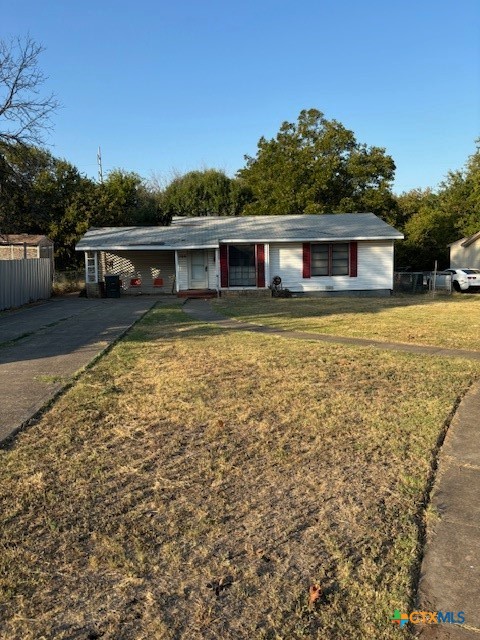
(450, 574)
(450, 571)
(203, 311)
(43, 346)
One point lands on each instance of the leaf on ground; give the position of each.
(315, 592)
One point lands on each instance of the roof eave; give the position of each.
(471, 239)
(317, 239)
(147, 247)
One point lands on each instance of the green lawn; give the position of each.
(196, 482)
(452, 321)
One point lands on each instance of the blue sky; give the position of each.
(168, 87)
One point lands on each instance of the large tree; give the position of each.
(123, 199)
(21, 166)
(203, 193)
(432, 220)
(43, 194)
(317, 166)
(38, 194)
(24, 118)
(460, 194)
(24, 111)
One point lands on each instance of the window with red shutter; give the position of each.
(307, 260)
(353, 259)
(331, 259)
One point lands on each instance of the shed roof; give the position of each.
(209, 232)
(24, 238)
(466, 242)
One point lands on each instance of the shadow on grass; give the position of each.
(304, 307)
(169, 323)
(162, 324)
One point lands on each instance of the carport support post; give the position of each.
(217, 271)
(267, 265)
(91, 274)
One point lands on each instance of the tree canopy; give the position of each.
(203, 193)
(313, 166)
(43, 194)
(317, 166)
(431, 220)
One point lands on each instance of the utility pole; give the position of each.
(99, 162)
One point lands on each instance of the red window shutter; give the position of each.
(224, 266)
(353, 259)
(307, 265)
(260, 265)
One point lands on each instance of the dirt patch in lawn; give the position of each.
(197, 483)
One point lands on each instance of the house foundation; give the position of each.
(246, 293)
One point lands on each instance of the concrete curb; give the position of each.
(450, 571)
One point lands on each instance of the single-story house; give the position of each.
(334, 253)
(17, 246)
(465, 252)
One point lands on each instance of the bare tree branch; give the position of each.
(24, 112)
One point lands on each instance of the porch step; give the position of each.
(197, 293)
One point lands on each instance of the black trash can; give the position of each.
(112, 286)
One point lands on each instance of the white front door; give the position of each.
(198, 274)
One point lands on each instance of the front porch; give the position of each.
(188, 273)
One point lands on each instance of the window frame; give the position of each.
(234, 281)
(330, 260)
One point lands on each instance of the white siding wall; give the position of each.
(465, 256)
(375, 269)
(212, 270)
(145, 265)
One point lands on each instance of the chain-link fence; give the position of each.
(440, 283)
(409, 282)
(422, 282)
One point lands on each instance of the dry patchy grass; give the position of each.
(452, 322)
(196, 482)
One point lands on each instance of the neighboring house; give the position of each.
(351, 252)
(17, 246)
(465, 252)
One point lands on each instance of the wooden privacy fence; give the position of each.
(24, 281)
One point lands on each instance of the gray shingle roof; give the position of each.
(471, 239)
(24, 238)
(208, 232)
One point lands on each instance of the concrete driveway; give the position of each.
(43, 346)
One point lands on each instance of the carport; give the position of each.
(148, 271)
